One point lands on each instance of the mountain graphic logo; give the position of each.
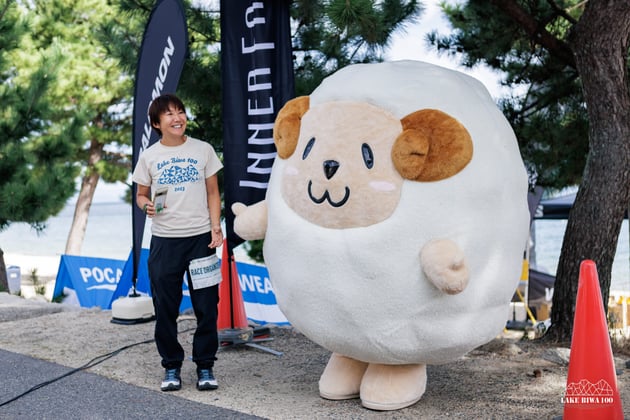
(178, 175)
(586, 388)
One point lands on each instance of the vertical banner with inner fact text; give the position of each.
(257, 72)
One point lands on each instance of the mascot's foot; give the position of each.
(392, 387)
(341, 379)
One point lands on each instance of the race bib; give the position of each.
(205, 272)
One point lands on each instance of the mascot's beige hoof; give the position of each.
(392, 387)
(341, 378)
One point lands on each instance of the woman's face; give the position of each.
(172, 122)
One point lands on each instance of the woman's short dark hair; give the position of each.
(160, 105)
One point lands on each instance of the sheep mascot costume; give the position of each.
(394, 223)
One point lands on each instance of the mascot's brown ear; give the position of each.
(286, 129)
(433, 146)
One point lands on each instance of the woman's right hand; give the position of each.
(149, 209)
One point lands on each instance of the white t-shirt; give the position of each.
(183, 170)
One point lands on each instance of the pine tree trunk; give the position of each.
(84, 202)
(600, 41)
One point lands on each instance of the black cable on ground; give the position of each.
(95, 361)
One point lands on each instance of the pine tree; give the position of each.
(36, 170)
(91, 96)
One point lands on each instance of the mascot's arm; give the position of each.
(444, 264)
(250, 223)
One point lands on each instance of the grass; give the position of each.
(40, 289)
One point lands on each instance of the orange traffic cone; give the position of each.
(591, 391)
(231, 307)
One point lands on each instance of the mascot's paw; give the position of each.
(250, 223)
(392, 387)
(444, 264)
(341, 378)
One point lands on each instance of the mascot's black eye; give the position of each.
(368, 156)
(308, 148)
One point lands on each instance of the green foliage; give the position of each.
(40, 289)
(255, 250)
(547, 109)
(65, 97)
(333, 34)
(94, 86)
(59, 298)
(36, 171)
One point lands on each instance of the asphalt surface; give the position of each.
(35, 389)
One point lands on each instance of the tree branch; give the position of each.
(539, 34)
(561, 12)
(4, 9)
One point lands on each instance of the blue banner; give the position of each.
(258, 296)
(94, 280)
(100, 281)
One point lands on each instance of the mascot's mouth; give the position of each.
(326, 197)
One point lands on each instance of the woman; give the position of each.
(182, 171)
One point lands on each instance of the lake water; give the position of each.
(109, 235)
(548, 236)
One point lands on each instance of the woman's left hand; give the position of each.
(217, 238)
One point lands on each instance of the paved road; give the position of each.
(84, 395)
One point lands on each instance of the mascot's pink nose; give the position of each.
(330, 168)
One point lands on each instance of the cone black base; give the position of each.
(234, 336)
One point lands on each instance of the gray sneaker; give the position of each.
(172, 380)
(206, 380)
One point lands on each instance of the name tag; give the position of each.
(205, 272)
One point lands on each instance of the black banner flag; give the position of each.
(160, 62)
(257, 72)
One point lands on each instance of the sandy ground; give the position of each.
(506, 378)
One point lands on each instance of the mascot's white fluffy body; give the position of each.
(360, 259)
